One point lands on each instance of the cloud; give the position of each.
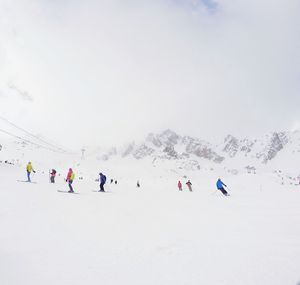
(103, 72)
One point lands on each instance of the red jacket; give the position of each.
(179, 185)
(69, 175)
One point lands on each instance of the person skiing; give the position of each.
(102, 182)
(138, 185)
(29, 169)
(52, 176)
(189, 185)
(220, 187)
(111, 181)
(70, 179)
(179, 185)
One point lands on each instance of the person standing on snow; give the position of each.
(102, 182)
(220, 187)
(70, 178)
(52, 176)
(29, 169)
(179, 185)
(189, 185)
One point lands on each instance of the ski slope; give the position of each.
(151, 235)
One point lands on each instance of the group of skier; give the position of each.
(189, 185)
(102, 179)
(220, 186)
(69, 179)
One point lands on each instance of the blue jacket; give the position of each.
(220, 184)
(102, 178)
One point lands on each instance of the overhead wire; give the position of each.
(60, 149)
(28, 141)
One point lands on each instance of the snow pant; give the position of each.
(102, 186)
(28, 176)
(70, 185)
(223, 191)
(52, 179)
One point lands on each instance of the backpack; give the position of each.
(104, 178)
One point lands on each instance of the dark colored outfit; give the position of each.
(102, 182)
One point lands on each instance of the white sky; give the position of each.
(110, 71)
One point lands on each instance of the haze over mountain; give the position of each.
(108, 71)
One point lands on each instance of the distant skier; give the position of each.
(189, 185)
(29, 169)
(220, 187)
(52, 176)
(102, 182)
(116, 182)
(179, 185)
(70, 179)
(111, 181)
(138, 185)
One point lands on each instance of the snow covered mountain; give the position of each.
(194, 153)
(271, 152)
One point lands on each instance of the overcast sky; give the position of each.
(87, 72)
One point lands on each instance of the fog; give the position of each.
(86, 72)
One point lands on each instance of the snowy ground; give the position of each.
(153, 235)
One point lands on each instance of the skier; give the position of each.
(70, 179)
(102, 182)
(116, 182)
(220, 187)
(111, 181)
(189, 185)
(138, 185)
(52, 176)
(179, 185)
(29, 169)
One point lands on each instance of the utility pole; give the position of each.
(82, 153)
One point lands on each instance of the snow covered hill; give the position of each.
(148, 235)
(153, 234)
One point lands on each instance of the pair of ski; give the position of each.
(33, 182)
(61, 191)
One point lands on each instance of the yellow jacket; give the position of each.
(29, 167)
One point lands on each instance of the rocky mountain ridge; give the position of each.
(168, 145)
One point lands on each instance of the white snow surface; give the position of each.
(149, 235)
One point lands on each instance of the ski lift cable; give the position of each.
(28, 141)
(32, 135)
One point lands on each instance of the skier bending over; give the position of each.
(29, 169)
(220, 187)
(70, 179)
(189, 185)
(102, 182)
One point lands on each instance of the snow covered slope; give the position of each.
(153, 234)
(149, 235)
